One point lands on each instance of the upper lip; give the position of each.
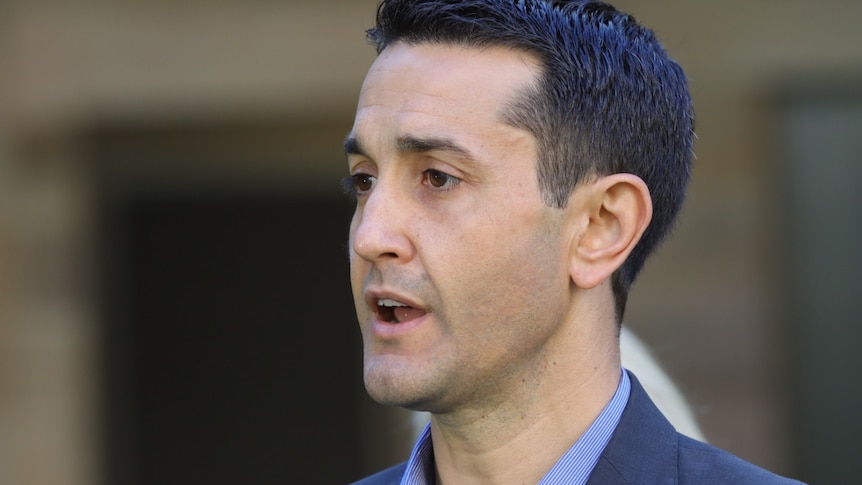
(373, 296)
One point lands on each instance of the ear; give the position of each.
(610, 214)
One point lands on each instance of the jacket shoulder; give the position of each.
(645, 448)
(389, 476)
(703, 463)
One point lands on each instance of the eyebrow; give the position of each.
(413, 144)
(352, 146)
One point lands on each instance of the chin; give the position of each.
(388, 391)
(396, 397)
(395, 388)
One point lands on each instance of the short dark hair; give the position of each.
(609, 99)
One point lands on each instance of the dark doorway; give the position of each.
(233, 351)
(230, 346)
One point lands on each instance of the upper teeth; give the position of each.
(389, 303)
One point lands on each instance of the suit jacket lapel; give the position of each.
(643, 448)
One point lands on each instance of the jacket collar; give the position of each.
(643, 448)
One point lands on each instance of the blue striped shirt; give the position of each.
(573, 468)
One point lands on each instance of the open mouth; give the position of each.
(393, 311)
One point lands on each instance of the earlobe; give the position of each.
(612, 214)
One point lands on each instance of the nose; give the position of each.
(379, 230)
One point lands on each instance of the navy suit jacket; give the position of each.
(646, 449)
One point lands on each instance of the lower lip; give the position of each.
(388, 331)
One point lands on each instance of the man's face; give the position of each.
(457, 266)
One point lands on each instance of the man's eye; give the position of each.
(440, 180)
(362, 182)
(359, 184)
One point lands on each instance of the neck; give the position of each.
(552, 407)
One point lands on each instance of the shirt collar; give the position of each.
(420, 467)
(573, 468)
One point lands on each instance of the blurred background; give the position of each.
(174, 303)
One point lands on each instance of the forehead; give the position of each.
(446, 65)
(409, 86)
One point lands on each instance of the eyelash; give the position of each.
(351, 183)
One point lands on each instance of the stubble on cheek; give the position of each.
(490, 302)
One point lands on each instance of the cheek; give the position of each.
(351, 233)
(358, 271)
(509, 274)
(353, 259)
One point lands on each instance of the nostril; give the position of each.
(381, 228)
(375, 242)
